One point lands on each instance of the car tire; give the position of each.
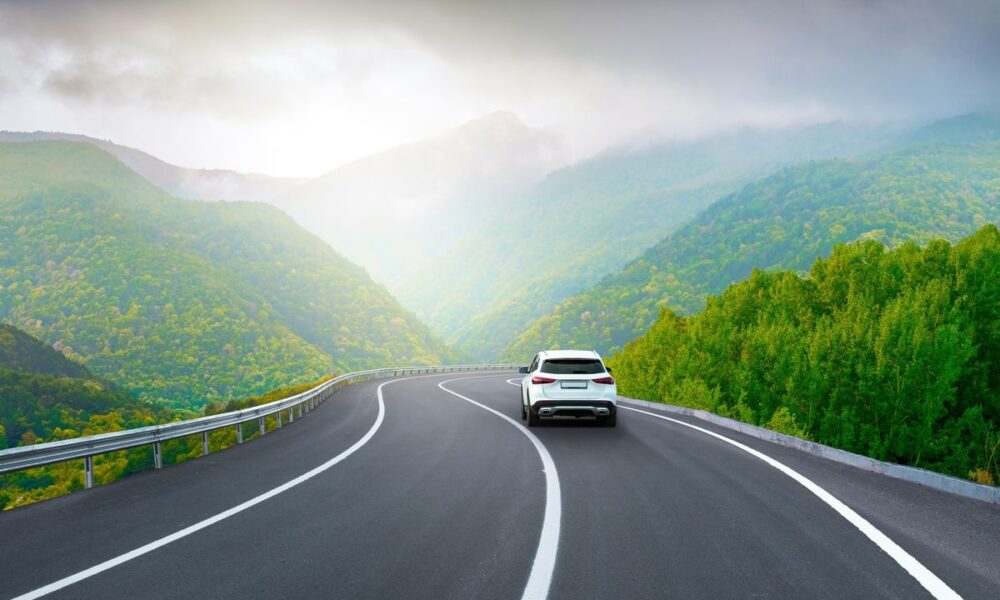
(524, 412)
(610, 420)
(533, 419)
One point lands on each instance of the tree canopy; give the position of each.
(894, 354)
(183, 301)
(784, 221)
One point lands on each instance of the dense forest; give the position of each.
(784, 221)
(45, 397)
(182, 301)
(892, 354)
(585, 221)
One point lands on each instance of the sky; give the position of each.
(296, 88)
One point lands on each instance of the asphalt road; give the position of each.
(446, 498)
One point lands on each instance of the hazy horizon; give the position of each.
(297, 89)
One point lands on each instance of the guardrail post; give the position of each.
(88, 471)
(157, 455)
(91, 446)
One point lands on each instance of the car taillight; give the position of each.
(539, 379)
(607, 380)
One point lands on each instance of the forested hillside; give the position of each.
(19, 351)
(892, 354)
(193, 184)
(179, 300)
(46, 397)
(783, 221)
(586, 221)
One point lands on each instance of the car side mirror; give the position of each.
(608, 369)
(523, 370)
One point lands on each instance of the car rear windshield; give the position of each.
(572, 366)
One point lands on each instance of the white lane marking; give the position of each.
(114, 562)
(939, 589)
(542, 568)
(516, 382)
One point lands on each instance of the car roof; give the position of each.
(569, 354)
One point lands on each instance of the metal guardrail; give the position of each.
(26, 457)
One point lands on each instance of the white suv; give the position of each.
(568, 383)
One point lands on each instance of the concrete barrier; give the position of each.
(937, 481)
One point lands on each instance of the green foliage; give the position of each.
(20, 351)
(39, 407)
(783, 421)
(783, 221)
(891, 354)
(46, 397)
(182, 301)
(588, 220)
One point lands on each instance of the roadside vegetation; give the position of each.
(45, 397)
(783, 221)
(894, 354)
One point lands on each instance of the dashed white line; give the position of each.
(544, 564)
(931, 582)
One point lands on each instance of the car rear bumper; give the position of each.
(573, 408)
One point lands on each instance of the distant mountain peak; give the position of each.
(500, 127)
(497, 119)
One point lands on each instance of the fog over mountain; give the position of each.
(396, 210)
(193, 184)
(299, 87)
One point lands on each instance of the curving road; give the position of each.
(428, 487)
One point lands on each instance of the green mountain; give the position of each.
(783, 221)
(892, 354)
(46, 396)
(584, 222)
(21, 352)
(193, 184)
(178, 300)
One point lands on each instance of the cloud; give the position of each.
(371, 74)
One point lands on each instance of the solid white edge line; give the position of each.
(122, 558)
(544, 564)
(931, 582)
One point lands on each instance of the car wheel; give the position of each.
(610, 420)
(533, 419)
(524, 412)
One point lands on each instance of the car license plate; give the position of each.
(573, 385)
